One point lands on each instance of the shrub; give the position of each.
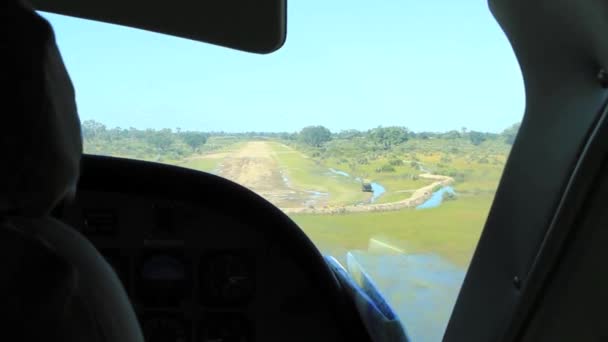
(366, 187)
(458, 176)
(396, 162)
(386, 168)
(448, 196)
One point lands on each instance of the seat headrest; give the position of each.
(40, 139)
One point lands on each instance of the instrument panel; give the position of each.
(194, 275)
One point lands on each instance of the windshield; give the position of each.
(380, 128)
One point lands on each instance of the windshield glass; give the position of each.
(380, 128)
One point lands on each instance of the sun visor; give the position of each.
(257, 26)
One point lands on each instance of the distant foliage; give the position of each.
(315, 135)
(386, 168)
(458, 176)
(194, 139)
(349, 134)
(448, 196)
(382, 149)
(451, 135)
(388, 137)
(477, 137)
(92, 129)
(162, 139)
(510, 134)
(148, 144)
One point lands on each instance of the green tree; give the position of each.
(451, 135)
(388, 137)
(349, 134)
(510, 134)
(315, 135)
(194, 139)
(92, 129)
(162, 139)
(477, 137)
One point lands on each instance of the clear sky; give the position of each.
(430, 65)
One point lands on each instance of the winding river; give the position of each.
(377, 189)
(437, 198)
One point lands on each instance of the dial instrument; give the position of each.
(163, 280)
(227, 278)
(166, 329)
(226, 327)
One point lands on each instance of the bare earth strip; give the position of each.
(255, 166)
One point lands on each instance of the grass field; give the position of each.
(307, 174)
(451, 230)
(293, 171)
(202, 164)
(214, 153)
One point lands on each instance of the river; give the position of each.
(436, 198)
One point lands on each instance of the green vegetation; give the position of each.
(388, 137)
(510, 133)
(451, 230)
(194, 139)
(394, 157)
(315, 135)
(391, 156)
(165, 145)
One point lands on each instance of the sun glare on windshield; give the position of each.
(382, 130)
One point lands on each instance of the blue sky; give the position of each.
(432, 65)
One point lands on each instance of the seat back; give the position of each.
(55, 286)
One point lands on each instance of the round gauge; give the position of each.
(227, 279)
(162, 281)
(163, 267)
(227, 327)
(165, 329)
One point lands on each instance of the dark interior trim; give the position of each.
(109, 174)
(568, 217)
(258, 26)
(560, 46)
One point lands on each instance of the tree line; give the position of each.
(175, 144)
(387, 137)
